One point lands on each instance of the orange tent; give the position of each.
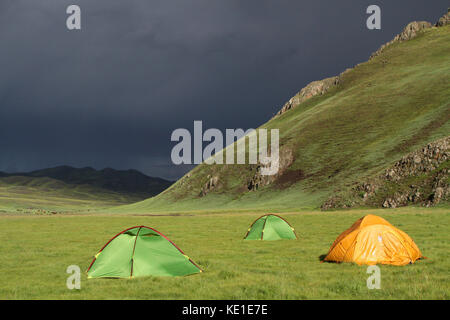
(372, 240)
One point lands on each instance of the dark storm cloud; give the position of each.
(112, 93)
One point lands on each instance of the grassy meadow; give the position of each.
(36, 250)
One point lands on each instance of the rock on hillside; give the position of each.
(313, 89)
(210, 185)
(409, 32)
(444, 20)
(256, 179)
(421, 177)
(426, 159)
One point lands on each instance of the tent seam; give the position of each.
(134, 249)
(264, 227)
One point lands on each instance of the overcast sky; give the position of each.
(110, 95)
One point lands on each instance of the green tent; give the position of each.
(140, 251)
(270, 227)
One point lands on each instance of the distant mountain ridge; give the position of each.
(122, 181)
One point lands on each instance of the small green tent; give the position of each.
(140, 251)
(270, 227)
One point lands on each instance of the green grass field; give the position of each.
(36, 250)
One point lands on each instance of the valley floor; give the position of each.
(36, 251)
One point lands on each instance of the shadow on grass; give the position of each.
(322, 259)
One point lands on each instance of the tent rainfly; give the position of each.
(140, 251)
(372, 240)
(270, 227)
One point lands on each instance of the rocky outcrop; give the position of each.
(286, 158)
(409, 32)
(444, 20)
(184, 180)
(412, 30)
(210, 185)
(257, 179)
(424, 160)
(313, 89)
(421, 162)
(426, 167)
(415, 195)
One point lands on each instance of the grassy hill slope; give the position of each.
(71, 189)
(44, 195)
(391, 105)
